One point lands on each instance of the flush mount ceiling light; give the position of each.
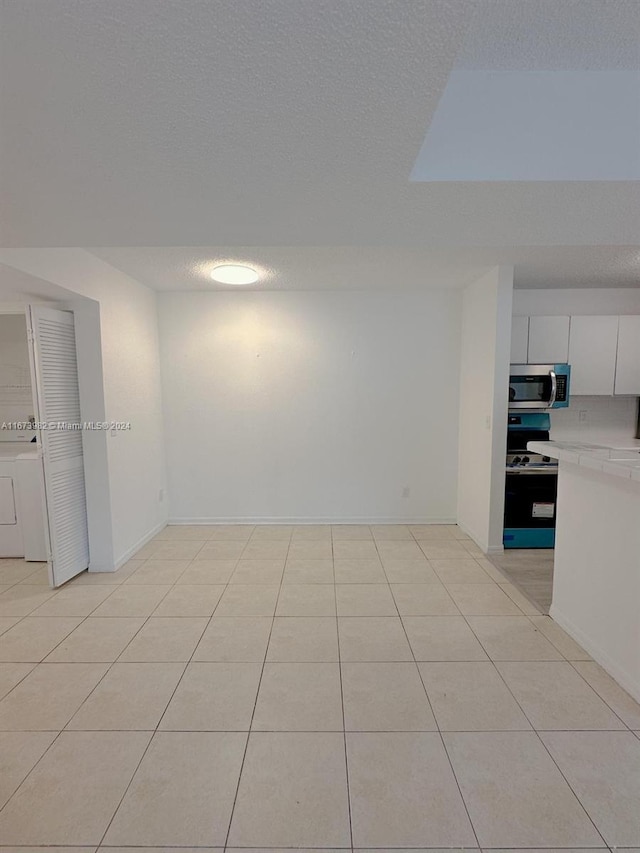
(234, 274)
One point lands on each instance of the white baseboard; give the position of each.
(627, 681)
(139, 544)
(480, 542)
(311, 520)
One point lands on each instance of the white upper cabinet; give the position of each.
(519, 339)
(593, 344)
(628, 361)
(548, 340)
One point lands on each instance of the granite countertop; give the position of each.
(619, 461)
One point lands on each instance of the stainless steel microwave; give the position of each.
(539, 386)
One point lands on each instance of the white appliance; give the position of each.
(22, 518)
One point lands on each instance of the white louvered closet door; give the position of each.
(58, 400)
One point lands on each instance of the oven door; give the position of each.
(530, 499)
(532, 386)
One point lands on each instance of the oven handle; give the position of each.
(554, 388)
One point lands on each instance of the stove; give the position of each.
(530, 485)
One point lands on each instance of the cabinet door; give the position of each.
(548, 340)
(593, 342)
(628, 361)
(519, 339)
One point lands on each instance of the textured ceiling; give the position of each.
(158, 123)
(378, 267)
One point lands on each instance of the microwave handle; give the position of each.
(554, 388)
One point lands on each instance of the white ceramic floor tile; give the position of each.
(12, 674)
(342, 532)
(471, 697)
(299, 697)
(481, 599)
(230, 639)
(165, 639)
(248, 600)
(258, 572)
(560, 639)
(272, 533)
(70, 797)
(310, 549)
(391, 532)
(403, 793)
(303, 638)
(512, 638)
(19, 753)
(410, 571)
(210, 572)
(308, 571)
(354, 549)
(603, 768)
(433, 531)
(293, 792)
(515, 794)
(398, 550)
(7, 622)
(216, 551)
(78, 601)
(385, 697)
(49, 696)
(372, 599)
(187, 600)
(15, 571)
(460, 570)
(425, 599)
(520, 600)
(158, 572)
(375, 638)
(233, 532)
(306, 600)
(131, 696)
(616, 698)
(96, 640)
(443, 550)
(554, 696)
(23, 599)
(311, 533)
(178, 549)
(355, 570)
(132, 601)
(214, 697)
(33, 638)
(182, 793)
(442, 638)
(266, 550)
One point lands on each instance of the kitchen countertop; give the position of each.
(621, 462)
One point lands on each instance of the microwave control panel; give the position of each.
(561, 389)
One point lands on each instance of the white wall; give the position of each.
(16, 400)
(484, 383)
(131, 378)
(311, 406)
(596, 419)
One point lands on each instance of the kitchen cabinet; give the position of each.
(519, 339)
(627, 379)
(593, 343)
(548, 340)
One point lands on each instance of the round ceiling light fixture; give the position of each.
(234, 274)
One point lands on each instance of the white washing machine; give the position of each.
(22, 515)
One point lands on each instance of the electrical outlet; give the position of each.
(582, 416)
(406, 492)
(161, 495)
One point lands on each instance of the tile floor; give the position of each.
(311, 687)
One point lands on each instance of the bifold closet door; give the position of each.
(55, 368)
